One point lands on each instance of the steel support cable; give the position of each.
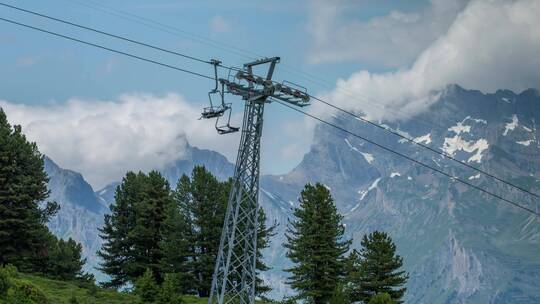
(452, 177)
(442, 153)
(106, 48)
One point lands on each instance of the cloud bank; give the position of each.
(492, 44)
(391, 40)
(105, 139)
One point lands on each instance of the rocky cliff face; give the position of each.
(81, 211)
(459, 245)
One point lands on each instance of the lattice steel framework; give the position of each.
(235, 271)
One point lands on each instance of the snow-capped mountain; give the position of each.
(459, 245)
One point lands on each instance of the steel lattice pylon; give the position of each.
(235, 270)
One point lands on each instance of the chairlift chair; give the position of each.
(215, 111)
(226, 128)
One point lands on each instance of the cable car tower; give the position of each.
(235, 272)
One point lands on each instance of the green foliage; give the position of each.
(381, 298)
(146, 288)
(65, 260)
(73, 300)
(375, 269)
(203, 202)
(315, 245)
(5, 282)
(171, 290)
(24, 292)
(134, 230)
(264, 235)
(340, 295)
(23, 185)
(176, 247)
(170, 232)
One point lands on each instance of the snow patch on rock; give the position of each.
(483, 121)
(363, 193)
(423, 139)
(511, 125)
(525, 142)
(460, 128)
(453, 144)
(368, 157)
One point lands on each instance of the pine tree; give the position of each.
(146, 288)
(116, 249)
(65, 261)
(377, 269)
(315, 245)
(176, 248)
(340, 295)
(381, 298)
(150, 215)
(23, 185)
(171, 289)
(135, 229)
(264, 235)
(203, 201)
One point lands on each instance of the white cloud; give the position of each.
(218, 24)
(492, 44)
(391, 40)
(104, 139)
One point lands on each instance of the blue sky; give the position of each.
(329, 39)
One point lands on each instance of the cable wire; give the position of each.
(452, 177)
(106, 48)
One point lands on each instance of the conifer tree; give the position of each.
(65, 261)
(23, 185)
(176, 248)
(381, 298)
(116, 249)
(264, 236)
(146, 288)
(315, 245)
(377, 270)
(146, 235)
(171, 290)
(134, 230)
(203, 201)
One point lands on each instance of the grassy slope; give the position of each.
(59, 292)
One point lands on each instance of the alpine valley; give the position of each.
(459, 245)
